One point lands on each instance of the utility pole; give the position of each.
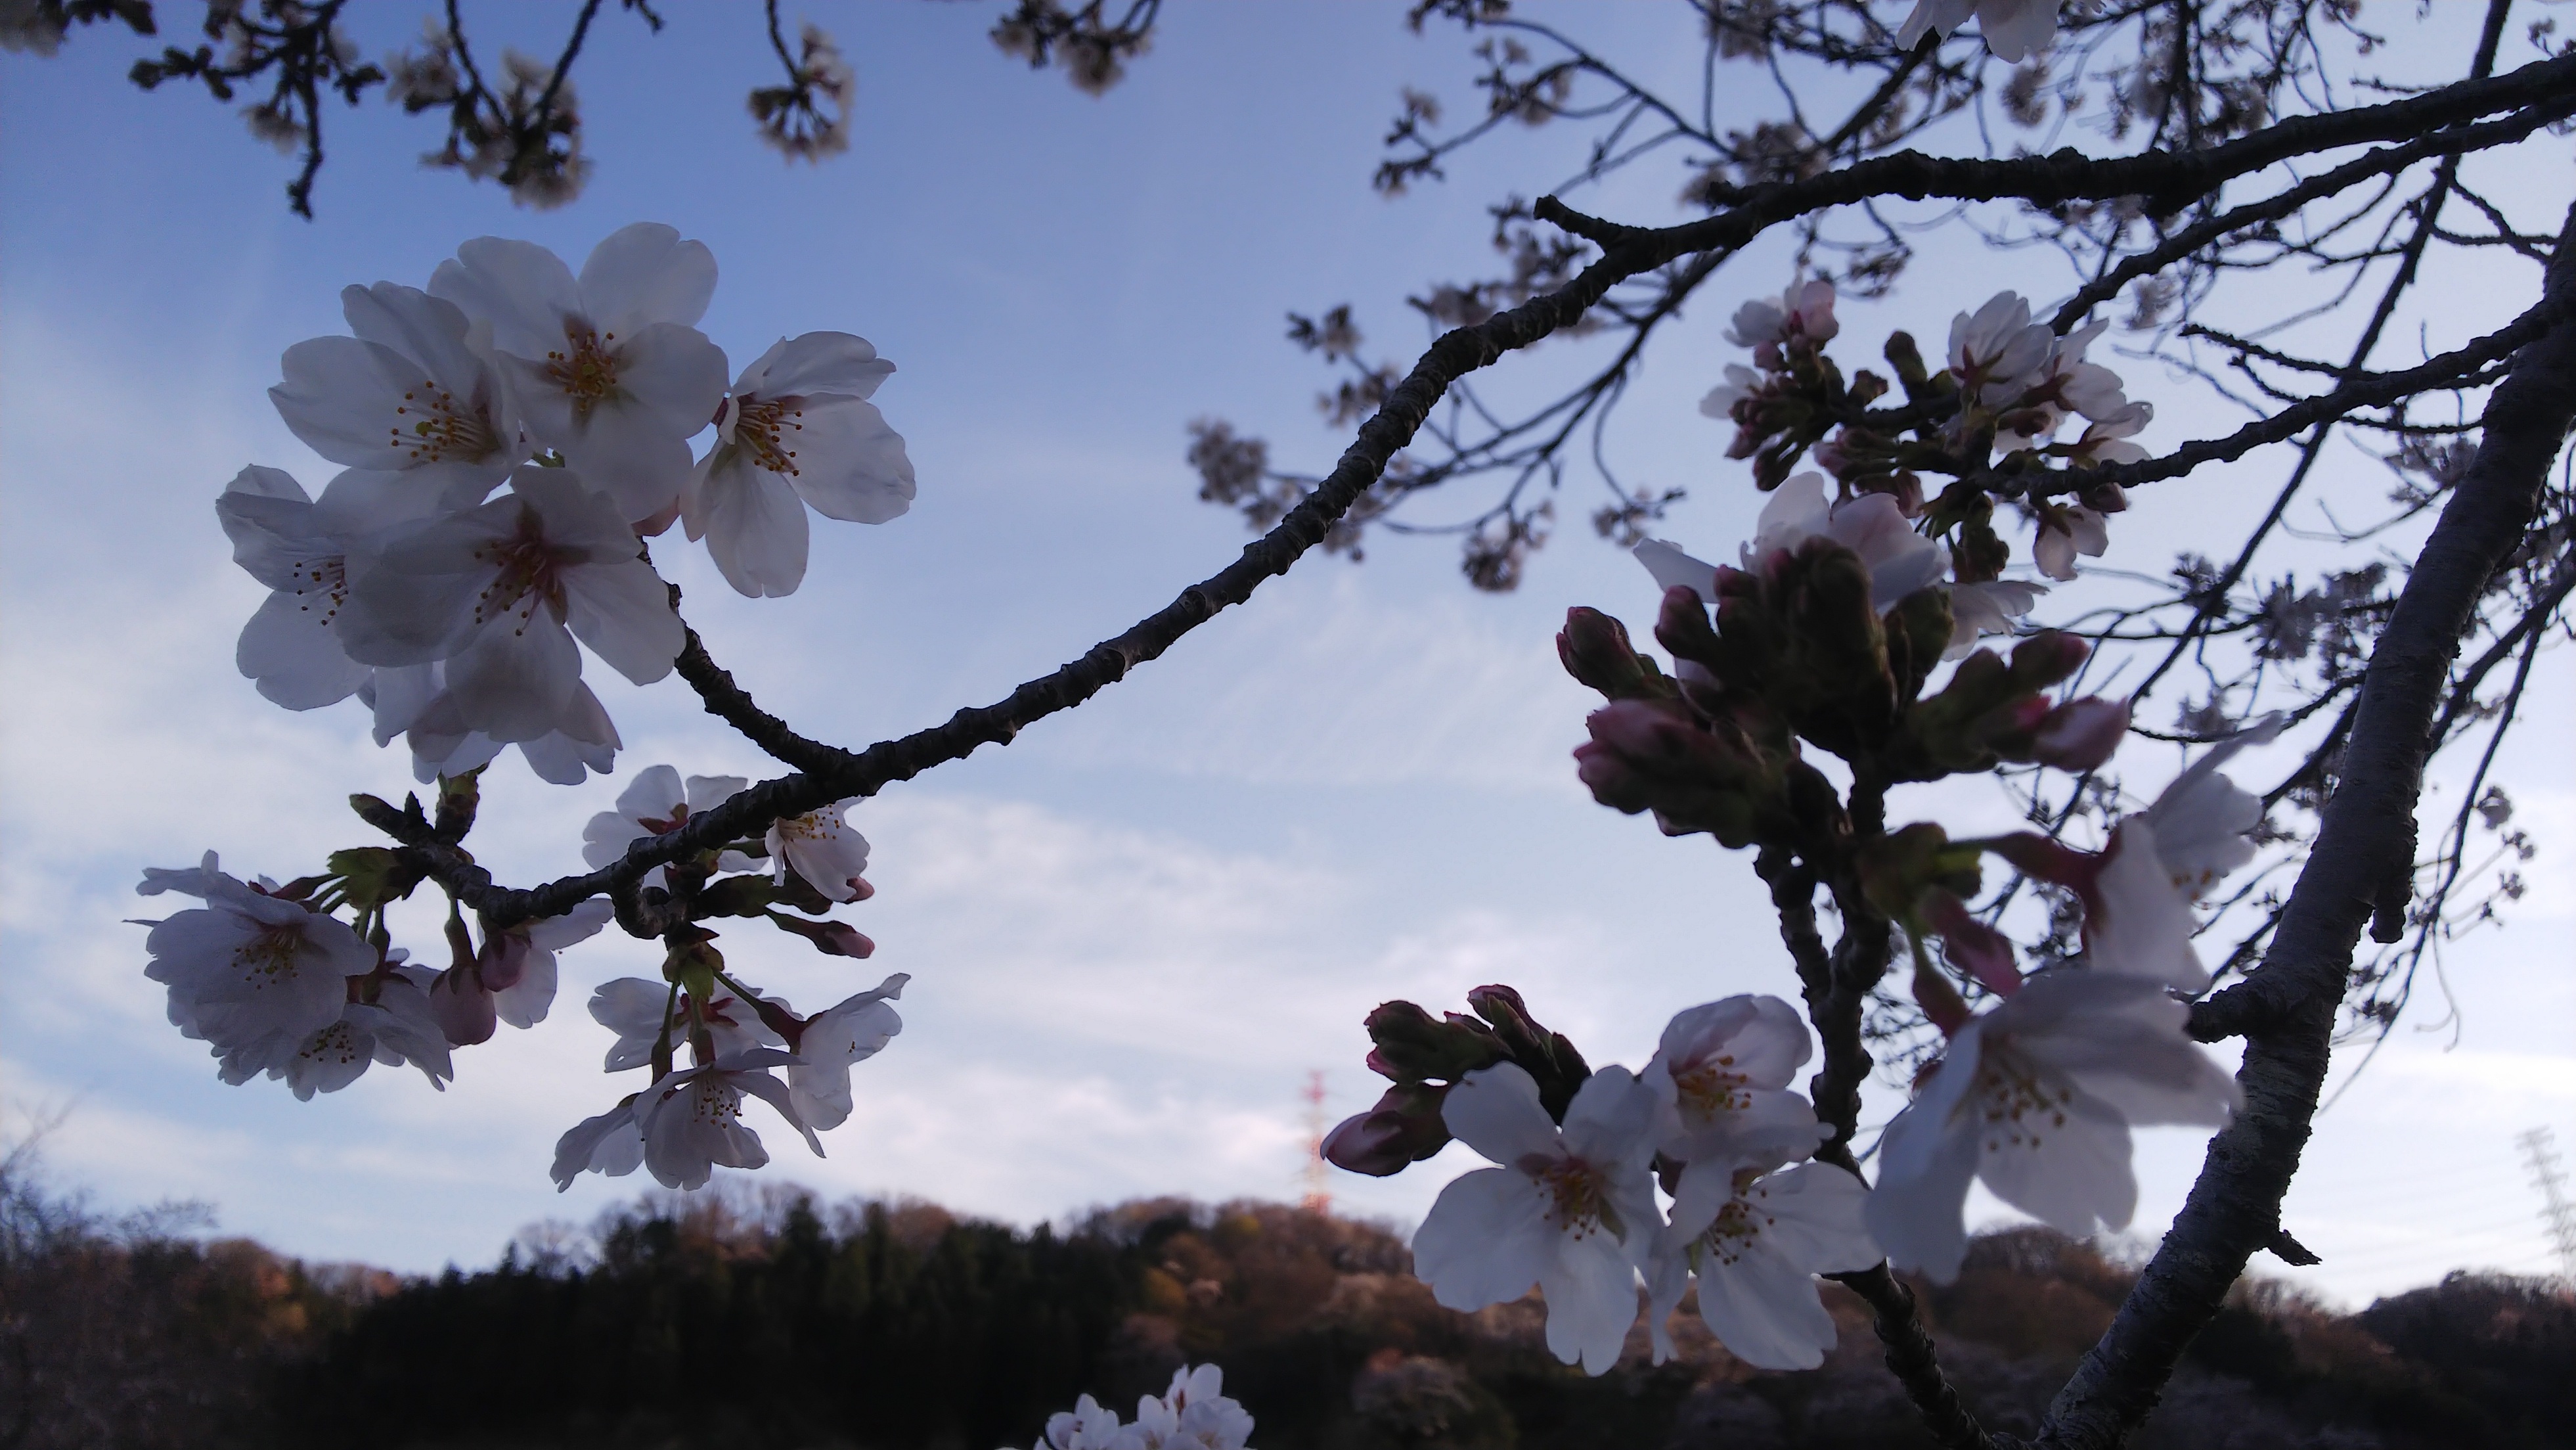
(2540, 1155)
(1317, 1197)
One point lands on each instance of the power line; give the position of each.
(2540, 1155)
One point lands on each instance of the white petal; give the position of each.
(645, 273)
(290, 650)
(850, 464)
(1484, 1240)
(1765, 1309)
(1591, 1289)
(1673, 569)
(522, 290)
(2069, 1171)
(513, 680)
(1495, 1110)
(817, 362)
(754, 525)
(655, 794)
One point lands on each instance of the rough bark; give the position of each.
(2365, 840)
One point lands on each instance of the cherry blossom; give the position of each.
(1804, 312)
(609, 368)
(290, 648)
(834, 1039)
(1089, 1425)
(407, 400)
(2012, 29)
(2066, 530)
(498, 593)
(2137, 921)
(610, 1144)
(1756, 1239)
(1720, 1079)
(2106, 440)
(657, 803)
(820, 847)
(1741, 382)
(390, 1021)
(632, 1008)
(518, 967)
(2204, 822)
(248, 966)
(1571, 1210)
(411, 701)
(1978, 610)
(692, 1119)
(1997, 351)
(2036, 1099)
(796, 431)
(1193, 1414)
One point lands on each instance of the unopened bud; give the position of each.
(832, 938)
(1906, 358)
(1596, 651)
(2047, 657)
(465, 1012)
(1403, 1129)
(2080, 734)
(2106, 498)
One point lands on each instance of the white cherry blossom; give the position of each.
(1719, 402)
(1089, 1425)
(2137, 921)
(411, 701)
(407, 399)
(290, 648)
(1978, 610)
(835, 1039)
(610, 1144)
(1720, 1078)
(518, 965)
(632, 1008)
(248, 967)
(1997, 351)
(2106, 439)
(692, 1119)
(2012, 29)
(609, 368)
(657, 803)
(1806, 311)
(797, 430)
(820, 847)
(394, 1026)
(1193, 1414)
(2065, 531)
(1571, 1210)
(2036, 1099)
(498, 594)
(1756, 1239)
(2204, 822)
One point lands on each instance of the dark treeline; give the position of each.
(779, 1322)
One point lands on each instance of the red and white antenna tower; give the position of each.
(1316, 1197)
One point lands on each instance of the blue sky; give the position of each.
(1134, 931)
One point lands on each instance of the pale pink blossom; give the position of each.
(610, 1144)
(1978, 610)
(1805, 311)
(656, 804)
(2065, 531)
(290, 648)
(2012, 29)
(411, 701)
(833, 1040)
(1997, 351)
(1571, 1210)
(609, 368)
(1193, 1414)
(1720, 1078)
(1756, 1240)
(797, 430)
(820, 847)
(2204, 823)
(248, 966)
(2036, 1099)
(1741, 383)
(692, 1119)
(633, 1008)
(408, 401)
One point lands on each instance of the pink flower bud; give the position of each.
(464, 1010)
(2081, 734)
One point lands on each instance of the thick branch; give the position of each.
(2365, 841)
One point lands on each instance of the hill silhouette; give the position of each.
(770, 1319)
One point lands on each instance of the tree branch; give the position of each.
(2364, 840)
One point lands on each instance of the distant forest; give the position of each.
(775, 1321)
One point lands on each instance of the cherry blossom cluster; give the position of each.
(2013, 29)
(509, 438)
(1193, 1414)
(1991, 418)
(2035, 1097)
(1831, 631)
(454, 614)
